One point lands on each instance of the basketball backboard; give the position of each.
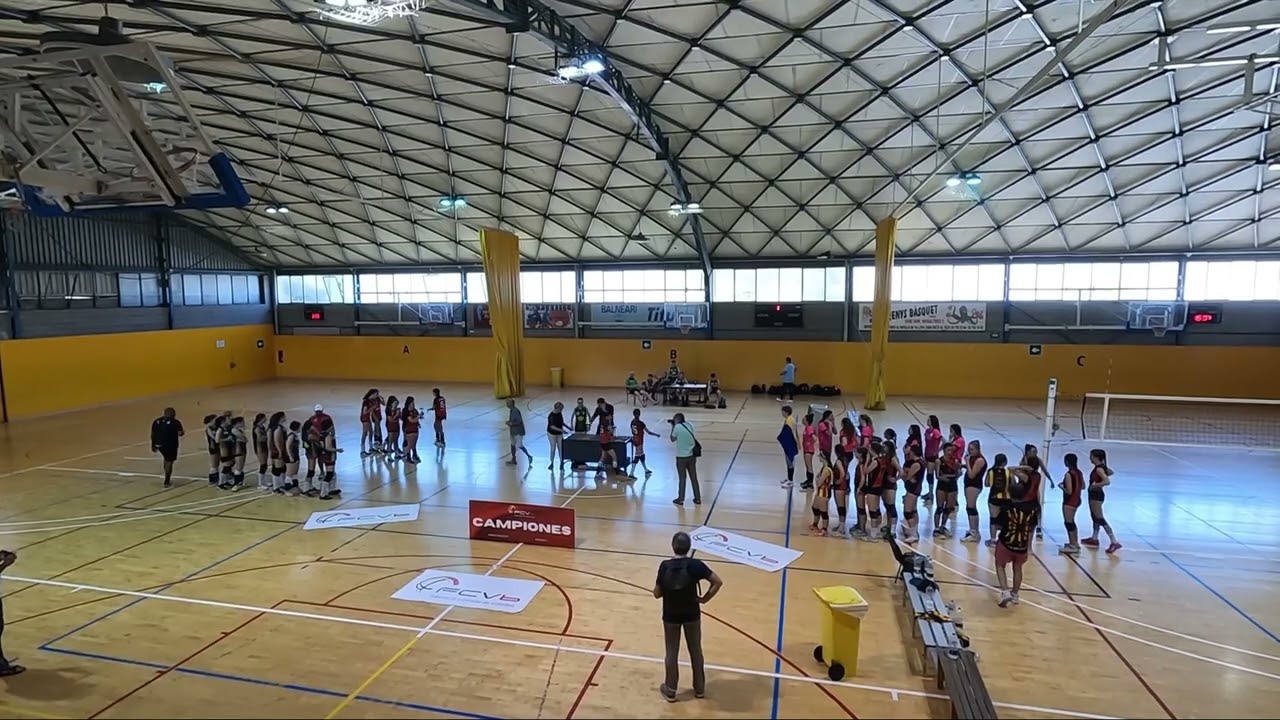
(98, 122)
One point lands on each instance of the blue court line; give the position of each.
(97, 620)
(782, 608)
(1216, 594)
(269, 683)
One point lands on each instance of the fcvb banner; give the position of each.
(520, 523)
(930, 317)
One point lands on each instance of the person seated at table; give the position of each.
(649, 390)
(632, 385)
(713, 391)
(673, 372)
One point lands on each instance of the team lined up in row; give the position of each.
(402, 425)
(854, 458)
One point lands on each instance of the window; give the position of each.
(934, 283)
(477, 288)
(643, 286)
(749, 285)
(553, 286)
(315, 289)
(393, 288)
(1242, 280)
(139, 289)
(1094, 281)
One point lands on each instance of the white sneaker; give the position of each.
(839, 530)
(1005, 598)
(1069, 549)
(1013, 598)
(970, 537)
(787, 484)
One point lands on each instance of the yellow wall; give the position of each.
(951, 369)
(55, 374)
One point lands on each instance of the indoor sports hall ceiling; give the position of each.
(796, 124)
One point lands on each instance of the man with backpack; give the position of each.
(677, 586)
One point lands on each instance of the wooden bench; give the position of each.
(958, 674)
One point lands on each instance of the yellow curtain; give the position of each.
(500, 251)
(886, 234)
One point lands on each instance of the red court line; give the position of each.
(590, 683)
(1106, 639)
(161, 673)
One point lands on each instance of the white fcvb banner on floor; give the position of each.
(375, 515)
(760, 555)
(482, 592)
(930, 317)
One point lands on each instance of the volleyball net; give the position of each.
(1247, 423)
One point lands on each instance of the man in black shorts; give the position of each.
(6, 668)
(165, 432)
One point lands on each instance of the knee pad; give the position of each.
(278, 472)
(328, 477)
(909, 515)
(311, 473)
(1099, 520)
(862, 512)
(1071, 527)
(875, 514)
(262, 469)
(971, 511)
(239, 477)
(891, 511)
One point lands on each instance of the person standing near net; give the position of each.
(1099, 479)
(165, 432)
(677, 587)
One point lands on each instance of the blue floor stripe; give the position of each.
(1216, 594)
(269, 683)
(782, 609)
(237, 554)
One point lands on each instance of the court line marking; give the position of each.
(1118, 633)
(537, 645)
(109, 515)
(51, 463)
(430, 627)
(156, 457)
(1139, 623)
(213, 503)
(26, 713)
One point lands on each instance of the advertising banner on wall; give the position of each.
(930, 317)
(519, 523)
(665, 314)
(549, 317)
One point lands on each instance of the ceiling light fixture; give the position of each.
(1229, 29)
(280, 209)
(690, 208)
(581, 67)
(1257, 60)
(965, 178)
(451, 204)
(1274, 167)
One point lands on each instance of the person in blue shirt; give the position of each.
(788, 382)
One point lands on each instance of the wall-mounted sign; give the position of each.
(930, 317)
(1035, 350)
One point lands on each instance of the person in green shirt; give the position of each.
(632, 385)
(581, 417)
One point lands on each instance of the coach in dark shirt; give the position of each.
(165, 432)
(677, 585)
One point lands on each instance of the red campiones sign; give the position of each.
(518, 523)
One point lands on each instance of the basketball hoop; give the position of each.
(1159, 331)
(684, 328)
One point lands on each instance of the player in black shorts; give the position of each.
(165, 432)
(948, 487)
(7, 668)
(912, 484)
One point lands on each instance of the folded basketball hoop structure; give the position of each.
(99, 123)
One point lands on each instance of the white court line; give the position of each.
(50, 464)
(124, 473)
(156, 457)
(1192, 553)
(1100, 611)
(1117, 633)
(429, 630)
(237, 499)
(133, 511)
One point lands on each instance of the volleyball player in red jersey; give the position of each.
(375, 419)
(827, 434)
(1099, 478)
(1031, 451)
(1072, 486)
(932, 449)
(866, 430)
(955, 436)
(975, 474)
(409, 422)
(638, 431)
(875, 475)
(366, 418)
(439, 413)
(392, 446)
(912, 480)
(848, 438)
(857, 465)
(948, 487)
(808, 446)
(890, 469)
(840, 479)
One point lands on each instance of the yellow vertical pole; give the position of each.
(500, 251)
(886, 234)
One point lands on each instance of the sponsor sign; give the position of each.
(376, 515)
(549, 317)
(931, 317)
(730, 546)
(480, 317)
(482, 592)
(519, 523)
(665, 314)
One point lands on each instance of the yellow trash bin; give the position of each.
(557, 378)
(843, 609)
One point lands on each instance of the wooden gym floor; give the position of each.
(237, 612)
